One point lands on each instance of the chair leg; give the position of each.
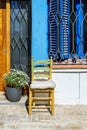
(30, 101)
(52, 96)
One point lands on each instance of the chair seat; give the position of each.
(42, 84)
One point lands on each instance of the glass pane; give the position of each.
(20, 47)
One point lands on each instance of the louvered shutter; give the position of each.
(64, 28)
(53, 29)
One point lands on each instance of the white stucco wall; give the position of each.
(71, 86)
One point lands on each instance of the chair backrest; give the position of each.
(41, 70)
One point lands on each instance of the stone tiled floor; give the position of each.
(14, 116)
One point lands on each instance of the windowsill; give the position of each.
(67, 66)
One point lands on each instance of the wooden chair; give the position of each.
(41, 83)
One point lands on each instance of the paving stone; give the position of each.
(14, 116)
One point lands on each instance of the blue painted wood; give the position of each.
(79, 29)
(64, 29)
(39, 29)
(52, 23)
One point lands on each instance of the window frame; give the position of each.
(57, 65)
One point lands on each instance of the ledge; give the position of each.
(69, 69)
(69, 66)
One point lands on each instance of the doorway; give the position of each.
(20, 33)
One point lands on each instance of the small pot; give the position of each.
(13, 94)
(24, 91)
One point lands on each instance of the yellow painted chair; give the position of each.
(41, 83)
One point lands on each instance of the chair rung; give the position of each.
(44, 91)
(41, 106)
(41, 98)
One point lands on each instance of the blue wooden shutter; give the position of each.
(79, 29)
(64, 28)
(53, 47)
(64, 23)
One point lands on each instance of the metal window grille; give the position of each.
(20, 34)
(67, 20)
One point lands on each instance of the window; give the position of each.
(67, 25)
(20, 19)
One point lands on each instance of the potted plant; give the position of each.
(15, 81)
